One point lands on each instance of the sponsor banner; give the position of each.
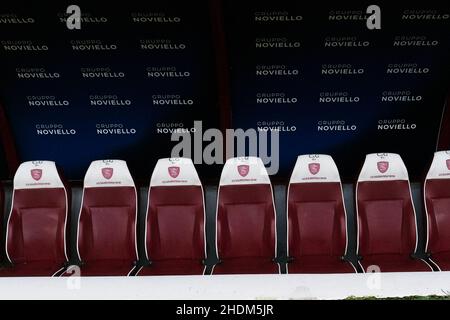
(328, 84)
(116, 88)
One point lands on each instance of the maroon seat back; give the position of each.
(315, 211)
(175, 223)
(36, 228)
(385, 212)
(437, 204)
(108, 214)
(246, 220)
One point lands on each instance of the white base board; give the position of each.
(246, 287)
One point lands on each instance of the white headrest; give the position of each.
(440, 167)
(174, 172)
(37, 175)
(315, 168)
(244, 170)
(383, 167)
(108, 173)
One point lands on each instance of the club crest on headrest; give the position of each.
(36, 174)
(107, 173)
(174, 172)
(314, 168)
(243, 170)
(383, 166)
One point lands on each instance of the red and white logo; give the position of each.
(174, 171)
(448, 164)
(36, 174)
(383, 166)
(107, 173)
(243, 170)
(314, 168)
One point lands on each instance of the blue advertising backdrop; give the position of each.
(134, 73)
(316, 73)
(117, 88)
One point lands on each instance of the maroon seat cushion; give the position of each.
(175, 223)
(36, 229)
(246, 220)
(246, 265)
(107, 221)
(394, 263)
(387, 231)
(108, 267)
(441, 260)
(320, 264)
(33, 269)
(317, 235)
(437, 205)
